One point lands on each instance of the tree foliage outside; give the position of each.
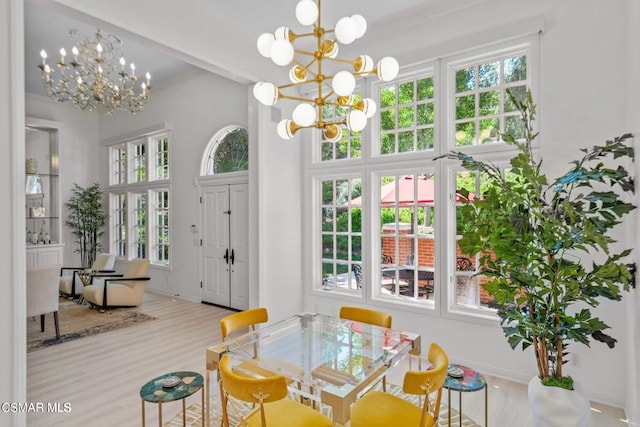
(86, 220)
(545, 244)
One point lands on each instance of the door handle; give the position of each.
(226, 256)
(233, 257)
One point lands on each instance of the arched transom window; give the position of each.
(227, 151)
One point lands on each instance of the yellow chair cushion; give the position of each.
(378, 409)
(287, 413)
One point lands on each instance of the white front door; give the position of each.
(224, 245)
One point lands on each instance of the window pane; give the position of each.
(387, 96)
(489, 74)
(405, 93)
(515, 69)
(465, 133)
(425, 89)
(425, 114)
(405, 141)
(388, 120)
(425, 139)
(466, 79)
(465, 107)
(388, 143)
(489, 103)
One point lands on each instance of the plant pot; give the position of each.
(557, 407)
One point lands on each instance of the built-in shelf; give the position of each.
(42, 208)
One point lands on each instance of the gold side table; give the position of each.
(471, 380)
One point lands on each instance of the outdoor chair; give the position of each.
(42, 294)
(119, 290)
(357, 273)
(380, 409)
(71, 283)
(463, 266)
(269, 395)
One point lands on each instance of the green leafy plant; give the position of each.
(545, 245)
(86, 220)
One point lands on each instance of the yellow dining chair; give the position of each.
(372, 317)
(269, 394)
(243, 320)
(379, 409)
(365, 315)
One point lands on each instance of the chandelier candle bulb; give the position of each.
(343, 83)
(333, 87)
(265, 42)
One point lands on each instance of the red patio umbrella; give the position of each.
(408, 187)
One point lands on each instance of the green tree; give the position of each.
(86, 220)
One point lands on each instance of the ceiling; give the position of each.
(171, 38)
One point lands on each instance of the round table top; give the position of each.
(470, 381)
(153, 391)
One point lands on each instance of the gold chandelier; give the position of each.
(308, 68)
(95, 75)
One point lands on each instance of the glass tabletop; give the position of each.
(334, 360)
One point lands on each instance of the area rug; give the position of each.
(77, 321)
(194, 413)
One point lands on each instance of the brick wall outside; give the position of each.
(426, 252)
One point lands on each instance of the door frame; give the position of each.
(209, 181)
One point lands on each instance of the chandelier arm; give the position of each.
(296, 84)
(345, 61)
(306, 67)
(296, 98)
(305, 52)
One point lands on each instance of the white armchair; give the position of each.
(42, 294)
(70, 283)
(123, 290)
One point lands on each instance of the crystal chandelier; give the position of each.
(95, 75)
(309, 67)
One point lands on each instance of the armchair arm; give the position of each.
(115, 279)
(104, 275)
(70, 268)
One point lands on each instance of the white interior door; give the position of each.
(224, 245)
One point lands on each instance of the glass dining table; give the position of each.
(328, 360)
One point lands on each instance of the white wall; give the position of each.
(582, 101)
(196, 105)
(12, 221)
(632, 390)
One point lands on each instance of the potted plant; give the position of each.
(86, 220)
(545, 246)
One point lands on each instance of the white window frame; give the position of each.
(373, 165)
(148, 187)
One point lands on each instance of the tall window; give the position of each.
(139, 200)
(341, 234)
(457, 102)
(118, 203)
(161, 208)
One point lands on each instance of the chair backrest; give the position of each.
(138, 267)
(43, 285)
(427, 382)
(242, 320)
(464, 263)
(104, 261)
(365, 315)
(248, 389)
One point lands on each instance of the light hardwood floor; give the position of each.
(100, 376)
